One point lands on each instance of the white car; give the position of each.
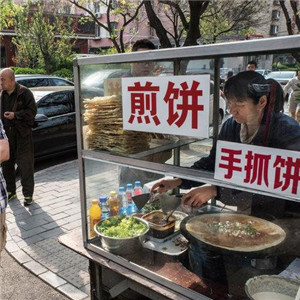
(263, 72)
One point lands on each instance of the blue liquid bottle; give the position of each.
(104, 207)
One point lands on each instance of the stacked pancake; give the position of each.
(103, 116)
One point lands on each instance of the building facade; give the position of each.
(91, 38)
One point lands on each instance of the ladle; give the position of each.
(167, 217)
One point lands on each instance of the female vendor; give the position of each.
(256, 106)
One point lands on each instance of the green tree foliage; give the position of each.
(8, 11)
(232, 22)
(119, 14)
(36, 41)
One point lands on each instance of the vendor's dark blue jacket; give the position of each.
(283, 133)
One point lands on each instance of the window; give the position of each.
(275, 14)
(276, 2)
(60, 82)
(97, 31)
(34, 82)
(56, 104)
(101, 32)
(274, 29)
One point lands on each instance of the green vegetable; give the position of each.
(152, 206)
(250, 230)
(122, 227)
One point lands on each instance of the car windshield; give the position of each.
(97, 79)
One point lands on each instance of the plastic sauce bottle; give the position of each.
(113, 203)
(129, 193)
(138, 190)
(122, 201)
(104, 207)
(95, 216)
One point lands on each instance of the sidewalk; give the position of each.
(33, 231)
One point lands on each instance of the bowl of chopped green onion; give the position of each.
(122, 235)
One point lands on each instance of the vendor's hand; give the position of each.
(199, 196)
(9, 115)
(164, 185)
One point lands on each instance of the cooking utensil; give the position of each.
(169, 202)
(141, 200)
(122, 246)
(166, 218)
(266, 286)
(274, 250)
(158, 228)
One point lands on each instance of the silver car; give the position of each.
(282, 76)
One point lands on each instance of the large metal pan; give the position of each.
(271, 251)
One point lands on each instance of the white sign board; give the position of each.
(262, 168)
(171, 105)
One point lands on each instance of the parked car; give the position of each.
(282, 76)
(263, 72)
(93, 84)
(31, 81)
(55, 126)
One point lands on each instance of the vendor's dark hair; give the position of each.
(252, 62)
(253, 85)
(143, 43)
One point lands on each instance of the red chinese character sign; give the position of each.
(172, 105)
(261, 168)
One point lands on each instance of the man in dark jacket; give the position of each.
(18, 109)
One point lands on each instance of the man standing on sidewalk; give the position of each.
(18, 109)
(4, 156)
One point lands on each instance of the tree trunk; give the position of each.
(197, 8)
(157, 25)
(289, 27)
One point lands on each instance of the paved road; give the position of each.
(33, 231)
(17, 282)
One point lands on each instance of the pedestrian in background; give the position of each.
(252, 65)
(4, 156)
(294, 97)
(18, 110)
(229, 74)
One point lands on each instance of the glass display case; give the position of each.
(148, 116)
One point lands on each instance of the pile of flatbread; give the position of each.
(103, 116)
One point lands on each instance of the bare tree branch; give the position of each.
(296, 11)
(287, 17)
(179, 11)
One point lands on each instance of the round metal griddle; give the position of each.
(271, 251)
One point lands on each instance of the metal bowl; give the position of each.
(271, 287)
(122, 246)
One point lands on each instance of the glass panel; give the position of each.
(241, 231)
(224, 269)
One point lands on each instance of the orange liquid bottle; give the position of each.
(95, 216)
(113, 203)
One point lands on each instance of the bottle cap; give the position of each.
(94, 201)
(129, 185)
(137, 183)
(121, 189)
(112, 193)
(103, 198)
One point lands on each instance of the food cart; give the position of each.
(128, 128)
